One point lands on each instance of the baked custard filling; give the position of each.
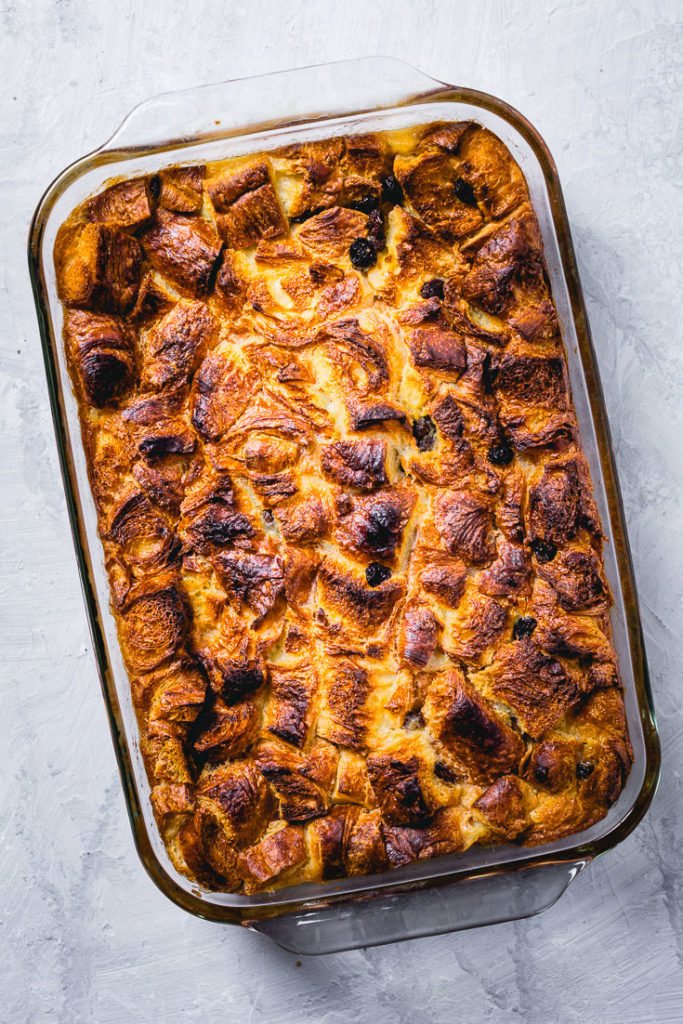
(354, 556)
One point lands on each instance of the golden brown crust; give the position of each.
(354, 555)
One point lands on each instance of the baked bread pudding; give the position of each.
(354, 556)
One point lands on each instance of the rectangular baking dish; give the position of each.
(213, 122)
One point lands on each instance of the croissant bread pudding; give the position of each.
(354, 556)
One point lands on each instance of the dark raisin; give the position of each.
(362, 253)
(465, 192)
(544, 550)
(489, 373)
(239, 680)
(501, 454)
(376, 230)
(523, 627)
(377, 573)
(584, 769)
(383, 528)
(443, 772)
(413, 720)
(365, 205)
(424, 432)
(306, 215)
(268, 516)
(391, 190)
(432, 289)
(155, 186)
(541, 773)
(156, 447)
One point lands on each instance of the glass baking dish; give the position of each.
(453, 892)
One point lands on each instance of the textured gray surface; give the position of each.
(84, 935)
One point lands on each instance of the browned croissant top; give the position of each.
(354, 555)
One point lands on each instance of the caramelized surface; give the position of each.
(354, 556)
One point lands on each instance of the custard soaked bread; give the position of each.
(354, 556)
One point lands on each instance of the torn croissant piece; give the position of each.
(464, 521)
(278, 853)
(400, 782)
(329, 838)
(99, 267)
(154, 620)
(374, 525)
(533, 400)
(238, 797)
(354, 555)
(300, 797)
(291, 707)
(476, 737)
(560, 504)
(183, 249)
(225, 730)
(127, 204)
(512, 253)
(180, 188)
(418, 636)
(535, 686)
(174, 346)
(502, 807)
(247, 209)
(101, 353)
(141, 533)
(178, 692)
(429, 180)
(317, 175)
(448, 832)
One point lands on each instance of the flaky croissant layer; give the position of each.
(354, 556)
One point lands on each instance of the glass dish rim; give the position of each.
(391, 881)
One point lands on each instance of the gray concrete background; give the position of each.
(84, 935)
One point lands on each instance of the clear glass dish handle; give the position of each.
(367, 83)
(485, 899)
